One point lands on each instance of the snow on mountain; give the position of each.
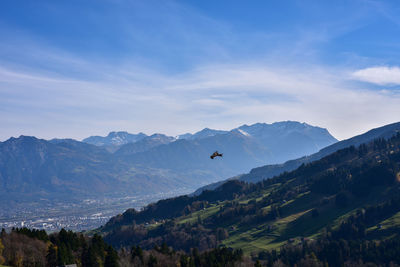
(206, 132)
(243, 132)
(114, 139)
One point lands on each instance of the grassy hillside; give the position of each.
(353, 188)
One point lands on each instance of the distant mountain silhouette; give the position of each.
(114, 140)
(32, 168)
(144, 144)
(30, 165)
(206, 132)
(147, 164)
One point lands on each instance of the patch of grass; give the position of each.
(392, 222)
(256, 239)
(303, 202)
(205, 213)
(386, 228)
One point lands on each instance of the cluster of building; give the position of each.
(76, 223)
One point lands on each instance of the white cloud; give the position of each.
(215, 96)
(381, 75)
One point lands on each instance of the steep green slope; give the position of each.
(360, 184)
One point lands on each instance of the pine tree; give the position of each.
(51, 256)
(137, 251)
(111, 259)
(152, 261)
(2, 260)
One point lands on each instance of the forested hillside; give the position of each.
(349, 196)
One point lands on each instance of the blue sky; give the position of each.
(79, 68)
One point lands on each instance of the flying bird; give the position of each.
(215, 154)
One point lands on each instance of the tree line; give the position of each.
(32, 247)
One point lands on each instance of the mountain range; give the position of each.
(32, 168)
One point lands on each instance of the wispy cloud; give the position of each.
(381, 75)
(218, 96)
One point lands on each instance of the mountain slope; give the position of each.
(195, 154)
(268, 171)
(144, 144)
(31, 165)
(352, 188)
(114, 140)
(289, 138)
(206, 132)
(35, 168)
